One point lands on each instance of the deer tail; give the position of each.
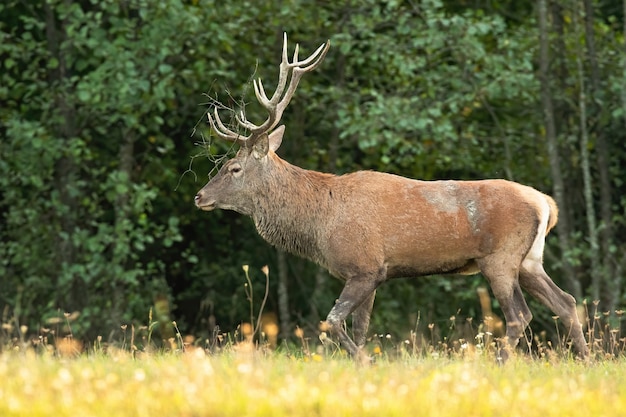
(554, 214)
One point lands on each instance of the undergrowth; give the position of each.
(460, 338)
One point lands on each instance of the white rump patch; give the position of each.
(535, 253)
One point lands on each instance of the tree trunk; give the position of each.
(564, 228)
(562, 107)
(624, 64)
(592, 229)
(620, 264)
(126, 160)
(70, 296)
(610, 283)
(284, 316)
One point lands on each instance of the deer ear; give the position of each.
(261, 146)
(266, 142)
(276, 137)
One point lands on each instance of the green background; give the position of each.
(104, 143)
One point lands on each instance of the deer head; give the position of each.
(241, 178)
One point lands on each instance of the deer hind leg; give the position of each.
(503, 280)
(536, 282)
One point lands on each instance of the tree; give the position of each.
(92, 124)
(98, 165)
(564, 227)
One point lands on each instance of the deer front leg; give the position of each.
(357, 291)
(517, 316)
(361, 320)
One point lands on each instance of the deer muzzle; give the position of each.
(202, 203)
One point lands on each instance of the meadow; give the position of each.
(243, 379)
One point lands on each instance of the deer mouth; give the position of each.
(203, 205)
(206, 206)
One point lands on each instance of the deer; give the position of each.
(369, 227)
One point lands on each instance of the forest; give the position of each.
(104, 142)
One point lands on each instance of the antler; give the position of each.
(279, 101)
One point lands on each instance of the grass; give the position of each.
(233, 376)
(248, 382)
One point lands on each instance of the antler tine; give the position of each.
(312, 62)
(246, 124)
(298, 69)
(223, 132)
(281, 97)
(316, 57)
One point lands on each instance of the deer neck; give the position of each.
(290, 212)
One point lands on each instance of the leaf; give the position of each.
(165, 68)
(83, 95)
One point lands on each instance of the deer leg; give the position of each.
(523, 312)
(534, 279)
(517, 316)
(361, 320)
(505, 287)
(355, 293)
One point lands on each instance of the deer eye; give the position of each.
(235, 169)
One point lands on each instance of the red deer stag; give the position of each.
(368, 227)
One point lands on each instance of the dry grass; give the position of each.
(246, 382)
(243, 374)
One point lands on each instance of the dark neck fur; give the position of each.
(291, 210)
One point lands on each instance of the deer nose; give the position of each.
(197, 197)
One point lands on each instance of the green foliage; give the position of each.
(99, 101)
(81, 231)
(415, 87)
